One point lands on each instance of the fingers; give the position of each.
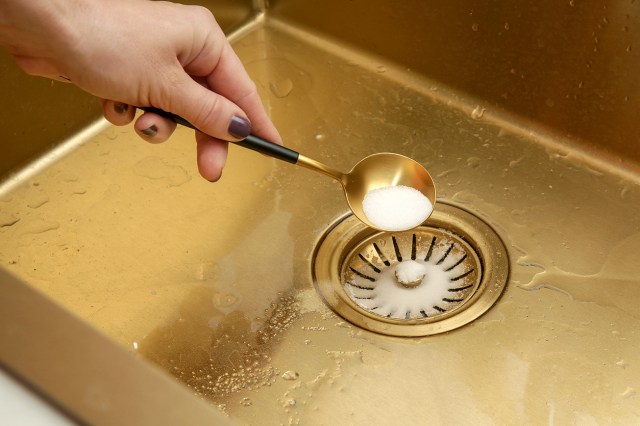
(230, 109)
(208, 111)
(153, 128)
(212, 156)
(230, 79)
(150, 127)
(117, 113)
(229, 92)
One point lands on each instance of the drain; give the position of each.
(434, 278)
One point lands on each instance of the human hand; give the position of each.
(143, 53)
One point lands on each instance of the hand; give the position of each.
(143, 53)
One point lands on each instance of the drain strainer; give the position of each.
(434, 278)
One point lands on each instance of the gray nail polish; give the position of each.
(150, 131)
(120, 108)
(239, 127)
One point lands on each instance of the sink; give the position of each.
(524, 114)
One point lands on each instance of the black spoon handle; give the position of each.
(252, 142)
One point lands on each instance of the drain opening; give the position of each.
(428, 272)
(434, 278)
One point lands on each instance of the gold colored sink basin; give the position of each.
(526, 116)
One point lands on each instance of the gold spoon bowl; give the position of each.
(373, 172)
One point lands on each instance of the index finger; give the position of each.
(231, 80)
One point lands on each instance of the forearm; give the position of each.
(34, 27)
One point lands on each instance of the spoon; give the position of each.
(373, 172)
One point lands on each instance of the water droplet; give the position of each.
(156, 168)
(111, 134)
(225, 300)
(7, 219)
(246, 402)
(281, 88)
(622, 364)
(623, 192)
(515, 163)
(474, 27)
(320, 136)
(473, 162)
(628, 392)
(290, 375)
(38, 200)
(478, 112)
(381, 69)
(39, 226)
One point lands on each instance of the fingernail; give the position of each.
(120, 108)
(239, 127)
(150, 131)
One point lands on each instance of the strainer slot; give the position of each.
(413, 247)
(368, 262)
(457, 263)
(462, 276)
(396, 248)
(361, 287)
(430, 251)
(453, 290)
(360, 274)
(383, 258)
(446, 254)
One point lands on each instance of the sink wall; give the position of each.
(564, 67)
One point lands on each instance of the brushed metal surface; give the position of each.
(567, 67)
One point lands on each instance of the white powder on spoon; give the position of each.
(396, 208)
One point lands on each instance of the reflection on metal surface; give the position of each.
(466, 270)
(221, 358)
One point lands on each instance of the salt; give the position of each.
(396, 208)
(410, 272)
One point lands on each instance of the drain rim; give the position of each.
(329, 258)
